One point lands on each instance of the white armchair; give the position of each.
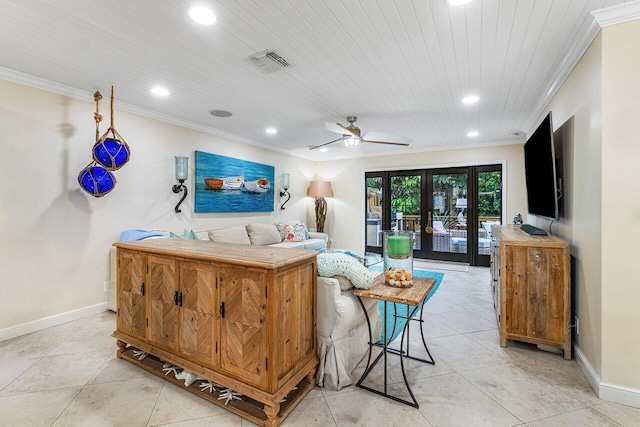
(343, 336)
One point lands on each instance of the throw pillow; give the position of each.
(230, 235)
(186, 234)
(294, 233)
(263, 234)
(337, 264)
(280, 226)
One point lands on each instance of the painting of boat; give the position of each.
(227, 184)
(260, 186)
(213, 183)
(231, 183)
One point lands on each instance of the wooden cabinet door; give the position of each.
(162, 284)
(198, 317)
(243, 327)
(534, 286)
(131, 299)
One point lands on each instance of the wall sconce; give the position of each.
(286, 184)
(320, 190)
(182, 172)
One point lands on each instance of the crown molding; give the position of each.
(83, 95)
(579, 47)
(618, 14)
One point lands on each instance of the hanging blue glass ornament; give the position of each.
(111, 153)
(96, 180)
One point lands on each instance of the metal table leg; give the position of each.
(386, 349)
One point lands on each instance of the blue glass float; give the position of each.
(111, 153)
(96, 180)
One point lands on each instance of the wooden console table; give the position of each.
(412, 297)
(530, 278)
(242, 317)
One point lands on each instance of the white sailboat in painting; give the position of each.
(230, 183)
(260, 186)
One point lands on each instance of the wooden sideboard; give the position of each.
(240, 316)
(530, 279)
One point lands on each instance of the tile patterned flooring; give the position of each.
(69, 376)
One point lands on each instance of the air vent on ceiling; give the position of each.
(268, 61)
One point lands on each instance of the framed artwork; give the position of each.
(225, 184)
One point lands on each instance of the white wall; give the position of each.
(579, 104)
(56, 238)
(621, 206)
(346, 210)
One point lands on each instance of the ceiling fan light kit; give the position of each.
(352, 136)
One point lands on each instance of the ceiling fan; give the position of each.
(352, 136)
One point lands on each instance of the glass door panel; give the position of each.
(373, 233)
(448, 192)
(406, 201)
(489, 208)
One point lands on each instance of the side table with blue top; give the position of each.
(413, 297)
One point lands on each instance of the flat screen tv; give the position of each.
(540, 172)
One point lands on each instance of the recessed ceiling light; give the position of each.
(470, 99)
(473, 133)
(324, 149)
(271, 131)
(457, 2)
(160, 91)
(202, 15)
(220, 113)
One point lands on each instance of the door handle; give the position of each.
(429, 228)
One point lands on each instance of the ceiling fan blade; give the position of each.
(386, 142)
(338, 128)
(312, 147)
(386, 137)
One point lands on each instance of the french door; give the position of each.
(449, 210)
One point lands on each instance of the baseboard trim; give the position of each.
(47, 322)
(606, 391)
(587, 369)
(620, 394)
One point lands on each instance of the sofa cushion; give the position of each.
(280, 226)
(319, 245)
(337, 264)
(344, 283)
(187, 234)
(294, 233)
(230, 235)
(263, 234)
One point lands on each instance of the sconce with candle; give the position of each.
(182, 172)
(286, 184)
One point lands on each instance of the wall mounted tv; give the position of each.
(540, 171)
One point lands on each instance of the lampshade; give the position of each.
(320, 189)
(286, 181)
(352, 142)
(182, 168)
(461, 203)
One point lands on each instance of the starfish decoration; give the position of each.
(209, 386)
(140, 354)
(188, 377)
(169, 367)
(229, 395)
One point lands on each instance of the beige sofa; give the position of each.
(251, 234)
(342, 331)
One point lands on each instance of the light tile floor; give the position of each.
(68, 376)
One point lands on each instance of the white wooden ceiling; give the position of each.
(400, 66)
